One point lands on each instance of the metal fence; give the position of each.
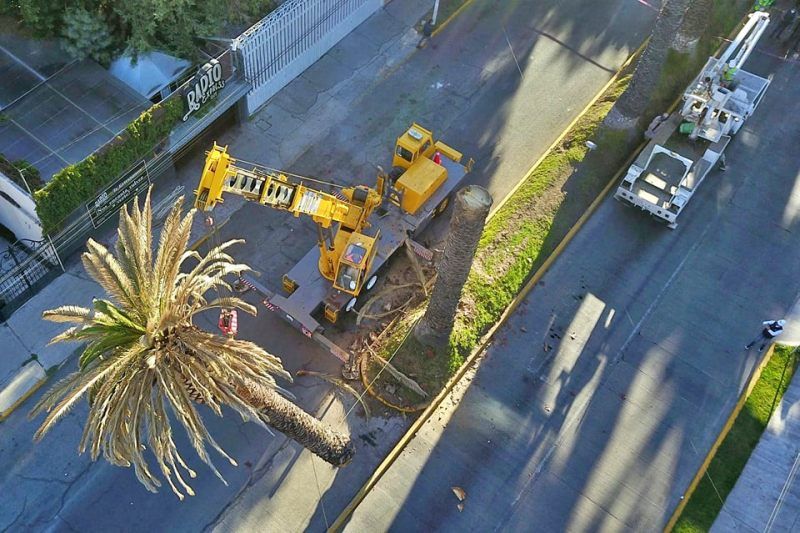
(26, 267)
(292, 38)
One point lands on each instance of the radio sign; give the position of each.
(203, 87)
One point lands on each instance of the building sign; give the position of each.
(203, 87)
(108, 202)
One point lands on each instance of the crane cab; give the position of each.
(416, 142)
(355, 263)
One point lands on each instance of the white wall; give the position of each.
(21, 218)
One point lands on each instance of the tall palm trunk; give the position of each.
(286, 417)
(696, 18)
(633, 102)
(469, 215)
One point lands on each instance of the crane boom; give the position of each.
(222, 174)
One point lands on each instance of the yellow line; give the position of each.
(721, 437)
(564, 133)
(5, 414)
(449, 19)
(394, 453)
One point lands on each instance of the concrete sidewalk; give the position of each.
(288, 125)
(766, 496)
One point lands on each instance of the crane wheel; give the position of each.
(442, 206)
(371, 282)
(350, 305)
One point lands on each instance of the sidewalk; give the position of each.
(288, 125)
(766, 496)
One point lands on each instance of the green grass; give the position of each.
(526, 230)
(743, 437)
(520, 237)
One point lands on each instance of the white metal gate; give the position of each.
(292, 38)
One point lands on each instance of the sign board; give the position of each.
(203, 87)
(108, 202)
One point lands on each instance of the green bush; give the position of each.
(86, 34)
(76, 184)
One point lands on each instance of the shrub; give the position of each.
(78, 183)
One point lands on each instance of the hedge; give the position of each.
(69, 188)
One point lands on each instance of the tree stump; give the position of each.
(470, 209)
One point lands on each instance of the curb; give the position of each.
(14, 391)
(449, 19)
(395, 452)
(11, 398)
(687, 494)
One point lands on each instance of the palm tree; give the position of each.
(695, 20)
(146, 361)
(470, 209)
(633, 102)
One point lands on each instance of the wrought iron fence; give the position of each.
(290, 39)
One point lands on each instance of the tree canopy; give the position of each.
(101, 29)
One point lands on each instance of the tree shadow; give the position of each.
(608, 434)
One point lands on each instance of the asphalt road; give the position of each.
(499, 83)
(647, 327)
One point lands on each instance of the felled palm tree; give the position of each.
(146, 361)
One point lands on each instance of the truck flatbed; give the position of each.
(301, 306)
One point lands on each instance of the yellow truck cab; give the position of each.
(415, 142)
(421, 174)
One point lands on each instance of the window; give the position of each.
(405, 154)
(348, 277)
(355, 253)
(425, 146)
(10, 200)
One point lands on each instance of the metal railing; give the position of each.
(28, 266)
(290, 39)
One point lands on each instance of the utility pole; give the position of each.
(435, 12)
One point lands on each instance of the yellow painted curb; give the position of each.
(452, 16)
(484, 342)
(5, 414)
(756, 373)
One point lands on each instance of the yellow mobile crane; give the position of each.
(359, 227)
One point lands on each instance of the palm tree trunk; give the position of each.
(696, 18)
(469, 215)
(633, 102)
(283, 415)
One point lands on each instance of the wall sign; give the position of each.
(204, 86)
(107, 203)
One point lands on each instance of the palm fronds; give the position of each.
(145, 362)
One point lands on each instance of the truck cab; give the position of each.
(416, 141)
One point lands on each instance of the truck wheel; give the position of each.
(371, 282)
(442, 206)
(350, 305)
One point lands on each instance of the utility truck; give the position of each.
(359, 227)
(691, 141)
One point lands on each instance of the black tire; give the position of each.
(442, 207)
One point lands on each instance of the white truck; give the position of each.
(691, 141)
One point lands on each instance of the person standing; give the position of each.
(772, 328)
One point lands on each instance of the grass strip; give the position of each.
(523, 233)
(527, 228)
(732, 455)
